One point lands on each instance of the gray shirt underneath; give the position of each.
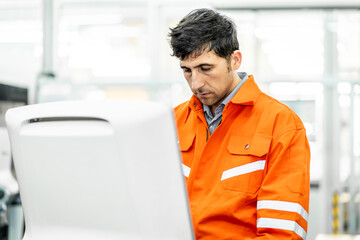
(214, 121)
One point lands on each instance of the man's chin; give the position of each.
(205, 102)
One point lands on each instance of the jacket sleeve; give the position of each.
(283, 199)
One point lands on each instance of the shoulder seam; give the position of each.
(286, 131)
(293, 114)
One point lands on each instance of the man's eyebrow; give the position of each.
(200, 65)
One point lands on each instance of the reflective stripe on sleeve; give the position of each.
(246, 168)
(281, 224)
(283, 206)
(186, 170)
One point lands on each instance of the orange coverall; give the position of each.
(250, 178)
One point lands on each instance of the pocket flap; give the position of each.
(257, 145)
(186, 141)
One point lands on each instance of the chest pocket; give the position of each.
(243, 170)
(186, 144)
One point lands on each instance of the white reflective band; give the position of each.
(246, 168)
(281, 224)
(283, 206)
(186, 170)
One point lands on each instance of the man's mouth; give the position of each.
(202, 94)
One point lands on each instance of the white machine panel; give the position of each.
(99, 170)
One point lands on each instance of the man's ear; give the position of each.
(236, 59)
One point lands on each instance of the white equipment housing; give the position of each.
(99, 170)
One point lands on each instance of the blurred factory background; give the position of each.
(304, 53)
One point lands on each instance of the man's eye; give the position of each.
(205, 69)
(186, 70)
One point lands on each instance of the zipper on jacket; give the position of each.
(207, 134)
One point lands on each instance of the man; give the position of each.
(245, 155)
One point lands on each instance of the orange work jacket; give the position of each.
(250, 178)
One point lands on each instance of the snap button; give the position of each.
(247, 146)
(194, 105)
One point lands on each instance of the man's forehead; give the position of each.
(206, 57)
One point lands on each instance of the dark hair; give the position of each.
(204, 29)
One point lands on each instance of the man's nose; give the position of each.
(197, 82)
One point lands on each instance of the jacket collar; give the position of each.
(248, 93)
(195, 104)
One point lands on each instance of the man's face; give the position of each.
(210, 77)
